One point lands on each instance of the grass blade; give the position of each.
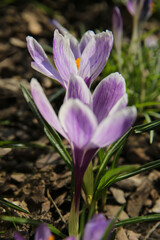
(7, 203)
(31, 221)
(140, 219)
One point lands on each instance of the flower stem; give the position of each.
(73, 226)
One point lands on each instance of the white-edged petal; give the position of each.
(77, 89)
(44, 106)
(114, 126)
(78, 122)
(63, 56)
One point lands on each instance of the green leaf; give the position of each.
(143, 168)
(7, 203)
(16, 144)
(57, 94)
(82, 219)
(148, 119)
(101, 154)
(112, 173)
(146, 104)
(147, 127)
(140, 219)
(31, 221)
(49, 131)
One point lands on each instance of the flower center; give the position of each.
(78, 62)
(51, 237)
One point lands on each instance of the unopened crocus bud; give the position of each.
(117, 28)
(142, 9)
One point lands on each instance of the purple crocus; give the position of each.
(86, 58)
(95, 229)
(88, 121)
(140, 8)
(42, 233)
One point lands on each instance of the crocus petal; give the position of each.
(74, 44)
(41, 62)
(78, 122)
(63, 56)
(17, 236)
(95, 56)
(120, 104)
(114, 126)
(43, 233)
(57, 25)
(85, 39)
(96, 227)
(77, 89)
(44, 106)
(107, 93)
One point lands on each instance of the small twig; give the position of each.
(152, 230)
(51, 199)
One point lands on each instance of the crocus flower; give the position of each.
(86, 59)
(140, 8)
(95, 229)
(88, 121)
(42, 233)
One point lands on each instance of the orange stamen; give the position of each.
(51, 237)
(78, 62)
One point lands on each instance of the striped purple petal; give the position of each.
(41, 62)
(114, 126)
(85, 39)
(77, 89)
(78, 122)
(63, 56)
(44, 106)
(107, 93)
(95, 56)
(74, 44)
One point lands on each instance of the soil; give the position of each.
(37, 179)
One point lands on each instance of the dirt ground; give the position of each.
(37, 178)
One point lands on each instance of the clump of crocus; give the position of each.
(141, 10)
(94, 230)
(117, 28)
(42, 233)
(86, 58)
(88, 121)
